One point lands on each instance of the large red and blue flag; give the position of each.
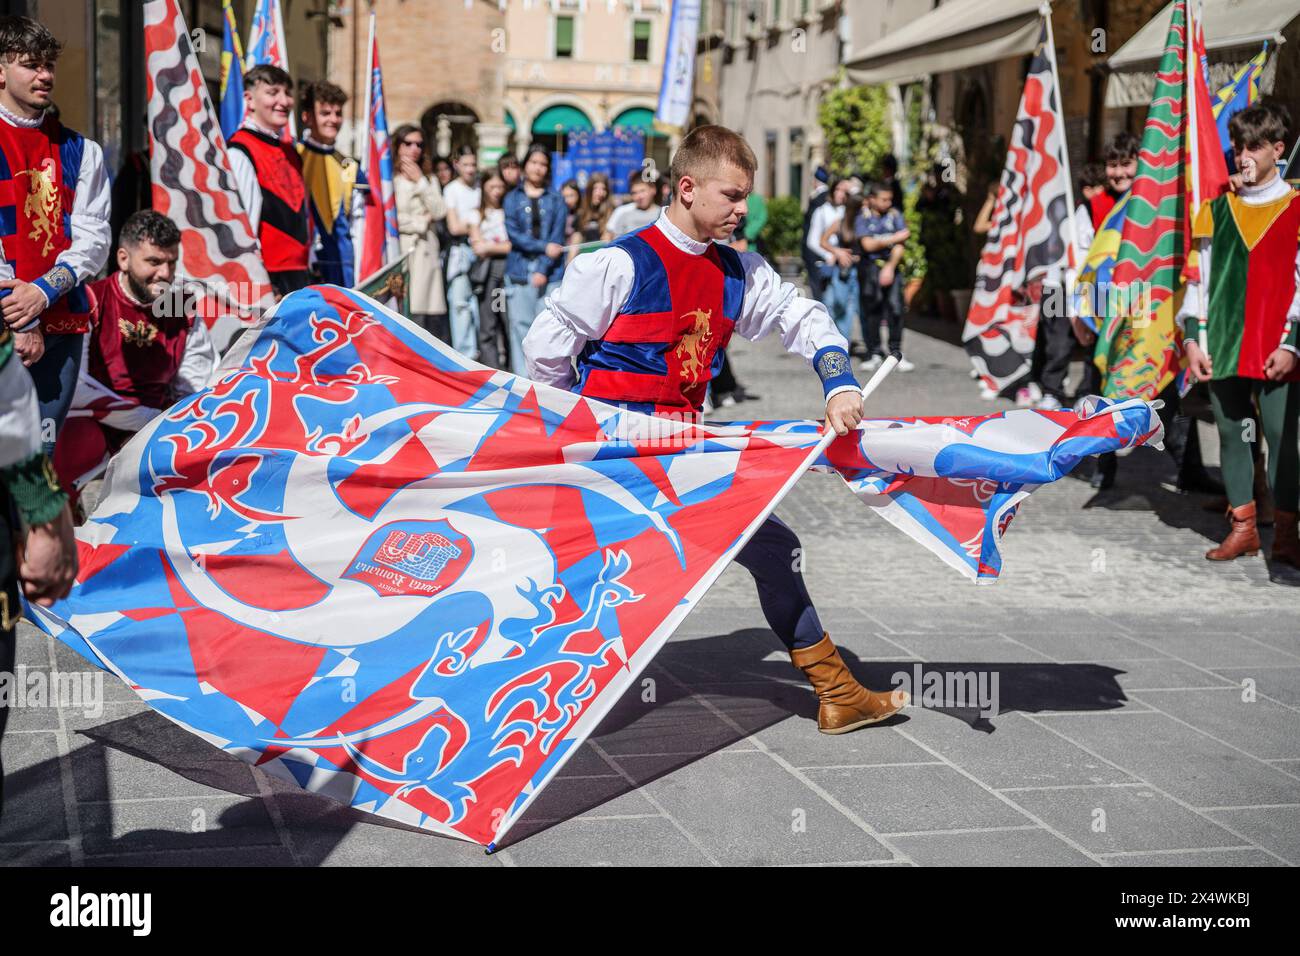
(379, 243)
(415, 584)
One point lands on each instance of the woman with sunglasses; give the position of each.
(419, 208)
(535, 218)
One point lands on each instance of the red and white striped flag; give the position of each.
(192, 181)
(1030, 240)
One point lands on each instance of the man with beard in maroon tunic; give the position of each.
(139, 358)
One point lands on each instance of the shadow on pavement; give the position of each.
(729, 674)
(697, 697)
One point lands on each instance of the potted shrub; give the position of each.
(915, 264)
(781, 235)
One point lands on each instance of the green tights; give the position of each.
(1279, 413)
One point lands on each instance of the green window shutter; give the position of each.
(563, 36)
(641, 40)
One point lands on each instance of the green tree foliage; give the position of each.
(855, 123)
(784, 226)
(914, 261)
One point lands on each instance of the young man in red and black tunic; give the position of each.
(647, 320)
(268, 177)
(142, 355)
(54, 220)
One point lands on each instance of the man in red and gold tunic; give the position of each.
(54, 220)
(140, 358)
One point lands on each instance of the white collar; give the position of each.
(13, 119)
(1272, 190)
(306, 138)
(679, 238)
(249, 124)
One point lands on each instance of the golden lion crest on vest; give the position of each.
(42, 206)
(140, 334)
(691, 349)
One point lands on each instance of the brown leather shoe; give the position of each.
(1242, 539)
(1286, 538)
(845, 704)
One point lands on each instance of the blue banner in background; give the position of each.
(617, 153)
(627, 156)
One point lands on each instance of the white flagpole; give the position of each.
(1045, 11)
(657, 639)
(283, 43)
(370, 67)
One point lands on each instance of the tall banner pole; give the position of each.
(370, 68)
(1072, 260)
(1193, 146)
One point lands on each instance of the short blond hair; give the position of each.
(705, 149)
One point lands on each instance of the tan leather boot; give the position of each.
(1242, 539)
(845, 704)
(1286, 538)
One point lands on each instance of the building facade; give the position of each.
(443, 66)
(763, 67)
(497, 75)
(577, 65)
(100, 86)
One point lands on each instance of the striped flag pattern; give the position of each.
(1030, 236)
(192, 182)
(1137, 349)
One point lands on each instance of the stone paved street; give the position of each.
(1149, 708)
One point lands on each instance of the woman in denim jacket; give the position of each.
(535, 216)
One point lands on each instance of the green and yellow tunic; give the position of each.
(1252, 281)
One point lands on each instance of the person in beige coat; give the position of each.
(419, 206)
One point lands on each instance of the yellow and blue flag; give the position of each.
(1092, 291)
(231, 110)
(1237, 94)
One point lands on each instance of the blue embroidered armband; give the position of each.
(58, 282)
(832, 366)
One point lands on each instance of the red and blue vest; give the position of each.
(666, 344)
(39, 167)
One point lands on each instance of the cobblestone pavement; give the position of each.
(1146, 708)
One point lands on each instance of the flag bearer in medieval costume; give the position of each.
(335, 186)
(54, 234)
(142, 355)
(647, 320)
(268, 178)
(1252, 329)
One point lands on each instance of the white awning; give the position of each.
(1227, 23)
(1234, 32)
(954, 36)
